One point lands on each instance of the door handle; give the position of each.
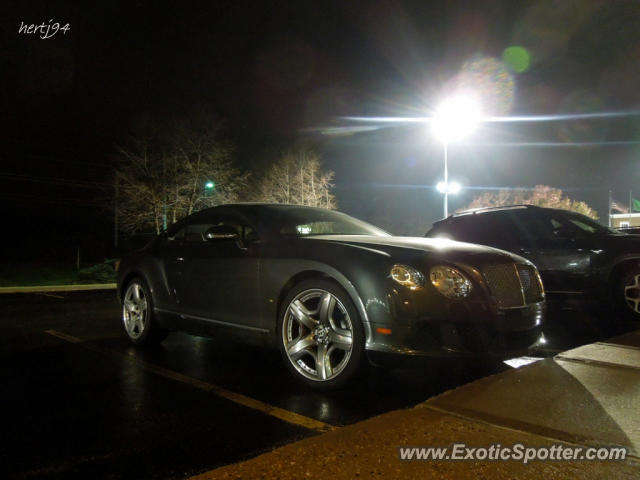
(179, 259)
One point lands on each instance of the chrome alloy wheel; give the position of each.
(134, 310)
(632, 293)
(317, 335)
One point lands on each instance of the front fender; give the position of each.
(611, 268)
(149, 268)
(277, 274)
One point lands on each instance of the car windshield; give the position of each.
(309, 221)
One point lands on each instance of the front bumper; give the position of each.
(475, 329)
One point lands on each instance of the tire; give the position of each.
(137, 315)
(320, 334)
(627, 294)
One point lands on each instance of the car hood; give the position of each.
(436, 246)
(622, 243)
(623, 238)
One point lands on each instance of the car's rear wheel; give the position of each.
(320, 334)
(628, 293)
(137, 314)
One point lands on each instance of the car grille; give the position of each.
(513, 285)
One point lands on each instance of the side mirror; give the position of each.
(221, 232)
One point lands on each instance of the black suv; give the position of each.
(578, 258)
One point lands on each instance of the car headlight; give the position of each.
(450, 282)
(407, 276)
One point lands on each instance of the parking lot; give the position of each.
(80, 402)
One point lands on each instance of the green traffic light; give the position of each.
(209, 185)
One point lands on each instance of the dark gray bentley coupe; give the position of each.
(328, 290)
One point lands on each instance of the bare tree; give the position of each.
(541, 195)
(200, 158)
(297, 178)
(193, 170)
(141, 188)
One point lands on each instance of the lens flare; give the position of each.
(451, 187)
(517, 58)
(491, 80)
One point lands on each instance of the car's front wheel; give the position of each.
(137, 314)
(320, 334)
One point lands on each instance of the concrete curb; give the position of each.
(59, 288)
(589, 404)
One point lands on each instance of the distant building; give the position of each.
(624, 220)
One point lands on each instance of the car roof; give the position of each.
(481, 210)
(252, 207)
(473, 211)
(255, 210)
(249, 210)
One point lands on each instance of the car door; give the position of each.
(562, 249)
(220, 278)
(172, 252)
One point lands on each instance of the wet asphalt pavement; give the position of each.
(78, 401)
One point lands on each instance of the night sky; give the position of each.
(278, 73)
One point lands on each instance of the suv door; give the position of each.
(563, 248)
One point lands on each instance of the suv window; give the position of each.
(484, 228)
(518, 228)
(560, 224)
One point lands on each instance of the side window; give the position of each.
(494, 229)
(249, 234)
(485, 229)
(503, 229)
(524, 226)
(550, 228)
(177, 236)
(191, 232)
(195, 231)
(583, 226)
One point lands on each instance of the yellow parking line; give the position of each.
(238, 398)
(64, 336)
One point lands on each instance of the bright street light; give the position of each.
(453, 187)
(455, 118)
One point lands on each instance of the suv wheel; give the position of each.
(628, 293)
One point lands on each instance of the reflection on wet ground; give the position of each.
(102, 408)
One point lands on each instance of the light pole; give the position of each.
(447, 188)
(446, 179)
(454, 119)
